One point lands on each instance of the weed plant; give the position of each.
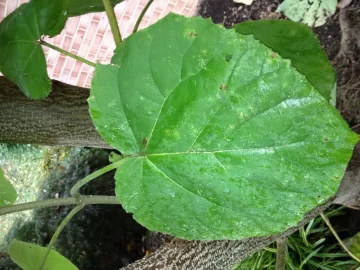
(312, 247)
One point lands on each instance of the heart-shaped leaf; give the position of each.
(222, 138)
(22, 59)
(29, 257)
(8, 193)
(80, 7)
(298, 43)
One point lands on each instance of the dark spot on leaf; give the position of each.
(223, 87)
(192, 34)
(228, 57)
(326, 139)
(25, 75)
(144, 141)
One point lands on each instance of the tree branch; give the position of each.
(207, 255)
(61, 119)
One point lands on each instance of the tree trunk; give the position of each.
(210, 255)
(60, 119)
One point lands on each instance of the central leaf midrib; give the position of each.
(222, 104)
(254, 149)
(261, 112)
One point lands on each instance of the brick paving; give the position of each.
(89, 36)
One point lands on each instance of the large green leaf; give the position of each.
(22, 59)
(80, 7)
(29, 257)
(298, 43)
(222, 138)
(7, 191)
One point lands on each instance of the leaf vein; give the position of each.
(265, 149)
(220, 106)
(219, 162)
(187, 190)
(259, 113)
(175, 87)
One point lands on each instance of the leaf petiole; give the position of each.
(42, 42)
(62, 225)
(141, 16)
(112, 21)
(83, 199)
(75, 190)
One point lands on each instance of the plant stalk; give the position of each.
(281, 253)
(142, 15)
(327, 221)
(82, 200)
(75, 189)
(42, 42)
(112, 21)
(62, 225)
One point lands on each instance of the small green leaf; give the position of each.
(313, 13)
(22, 59)
(29, 257)
(51, 16)
(298, 43)
(8, 193)
(221, 140)
(80, 7)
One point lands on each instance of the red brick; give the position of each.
(90, 36)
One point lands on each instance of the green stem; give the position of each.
(280, 253)
(112, 21)
(327, 221)
(62, 225)
(142, 15)
(82, 200)
(75, 189)
(67, 53)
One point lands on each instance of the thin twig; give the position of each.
(109, 9)
(327, 221)
(55, 236)
(42, 42)
(142, 15)
(353, 127)
(346, 37)
(280, 253)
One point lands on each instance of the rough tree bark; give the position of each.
(60, 119)
(63, 119)
(212, 255)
